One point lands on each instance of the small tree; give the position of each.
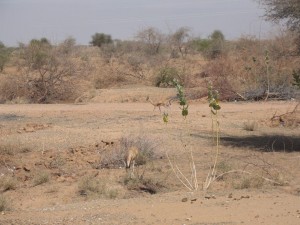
(210, 47)
(4, 56)
(99, 39)
(286, 11)
(296, 76)
(217, 43)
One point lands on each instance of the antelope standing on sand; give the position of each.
(130, 158)
(159, 104)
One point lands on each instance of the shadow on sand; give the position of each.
(267, 143)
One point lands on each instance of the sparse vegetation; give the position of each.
(7, 149)
(247, 69)
(140, 183)
(115, 157)
(41, 177)
(3, 203)
(237, 69)
(45, 72)
(94, 187)
(12, 149)
(296, 76)
(89, 184)
(4, 55)
(249, 182)
(250, 125)
(7, 183)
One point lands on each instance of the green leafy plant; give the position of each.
(166, 76)
(4, 55)
(190, 182)
(166, 118)
(213, 99)
(296, 76)
(182, 98)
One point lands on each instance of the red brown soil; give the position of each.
(64, 140)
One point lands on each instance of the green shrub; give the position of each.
(296, 76)
(166, 76)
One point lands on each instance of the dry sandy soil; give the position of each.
(49, 153)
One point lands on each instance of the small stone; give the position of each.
(245, 196)
(26, 168)
(210, 196)
(184, 199)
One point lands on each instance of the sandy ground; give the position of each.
(65, 140)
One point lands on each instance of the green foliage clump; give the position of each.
(213, 99)
(296, 76)
(4, 55)
(99, 39)
(182, 98)
(166, 76)
(210, 47)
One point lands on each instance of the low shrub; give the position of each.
(94, 187)
(166, 76)
(3, 203)
(250, 126)
(41, 178)
(7, 183)
(115, 157)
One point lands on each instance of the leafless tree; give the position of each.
(153, 39)
(179, 40)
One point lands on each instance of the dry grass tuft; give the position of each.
(148, 185)
(249, 182)
(7, 183)
(41, 178)
(93, 187)
(250, 125)
(114, 158)
(3, 203)
(12, 149)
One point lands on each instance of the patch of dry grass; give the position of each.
(250, 125)
(249, 182)
(41, 177)
(3, 203)
(12, 149)
(7, 183)
(94, 187)
(114, 158)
